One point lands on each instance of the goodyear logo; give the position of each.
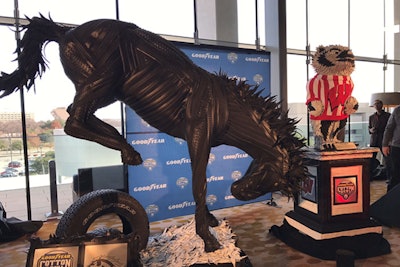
(182, 205)
(228, 197)
(257, 59)
(150, 187)
(178, 161)
(149, 141)
(215, 178)
(57, 258)
(205, 56)
(235, 156)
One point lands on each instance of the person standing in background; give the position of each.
(391, 146)
(376, 125)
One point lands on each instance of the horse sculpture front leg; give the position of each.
(83, 124)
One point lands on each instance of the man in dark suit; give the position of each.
(391, 146)
(376, 126)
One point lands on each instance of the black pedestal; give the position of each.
(332, 210)
(363, 246)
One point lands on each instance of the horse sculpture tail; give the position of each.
(31, 62)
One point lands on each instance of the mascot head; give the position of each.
(333, 60)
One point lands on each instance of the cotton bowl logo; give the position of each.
(211, 199)
(211, 158)
(182, 182)
(145, 124)
(152, 210)
(56, 258)
(179, 140)
(236, 175)
(258, 79)
(232, 57)
(345, 189)
(150, 164)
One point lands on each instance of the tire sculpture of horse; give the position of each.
(109, 60)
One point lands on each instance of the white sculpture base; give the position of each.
(181, 246)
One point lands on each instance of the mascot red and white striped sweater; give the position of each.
(329, 99)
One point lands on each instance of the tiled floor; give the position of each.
(251, 223)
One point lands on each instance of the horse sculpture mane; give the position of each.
(110, 60)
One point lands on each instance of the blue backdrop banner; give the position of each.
(162, 184)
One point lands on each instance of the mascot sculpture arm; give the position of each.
(329, 99)
(110, 60)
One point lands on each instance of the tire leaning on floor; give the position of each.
(81, 214)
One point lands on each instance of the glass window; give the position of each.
(173, 17)
(297, 78)
(7, 51)
(328, 22)
(368, 79)
(53, 91)
(392, 79)
(392, 29)
(11, 156)
(247, 22)
(71, 11)
(296, 24)
(297, 96)
(7, 8)
(366, 27)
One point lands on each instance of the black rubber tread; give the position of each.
(82, 213)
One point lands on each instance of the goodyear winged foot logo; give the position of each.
(56, 258)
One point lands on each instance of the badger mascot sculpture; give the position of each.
(329, 99)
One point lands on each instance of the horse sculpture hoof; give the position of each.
(212, 221)
(252, 187)
(132, 159)
(211, 245)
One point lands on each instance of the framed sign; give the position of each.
(119, 252)
(55, 256)
(346, 190)
(308, 198)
